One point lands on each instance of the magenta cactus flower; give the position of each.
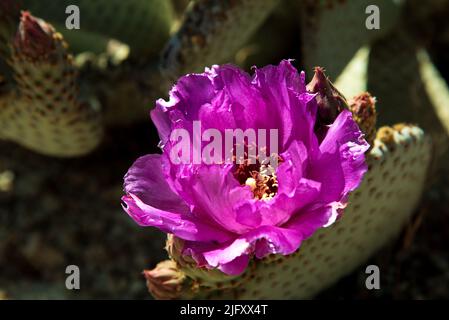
(230, 211)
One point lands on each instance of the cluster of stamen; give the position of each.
(260, 177)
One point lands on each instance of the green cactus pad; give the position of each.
(212, 32)
(333, 31)
(46, 112)
(73, 134)
(82, 41)
(143, 24)
(436, 88)
(409, 87)
(354, 77)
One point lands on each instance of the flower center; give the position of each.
(260, 177)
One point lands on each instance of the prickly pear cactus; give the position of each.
(210, 32)
(45, 113)
(376, 212)
(57, 104)
(109, 85)
(127, 53)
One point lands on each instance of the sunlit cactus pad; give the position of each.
(376, 213)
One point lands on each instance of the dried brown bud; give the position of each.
(330, 101)
(363, 108)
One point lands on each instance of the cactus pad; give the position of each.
(333, 31)
(212, 32)
(143, 24)
(46, 113)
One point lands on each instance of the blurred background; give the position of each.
(58, 210)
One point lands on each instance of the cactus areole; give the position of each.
(228, 213)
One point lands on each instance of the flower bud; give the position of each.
(330, 101)
(212, 278)
(35, 38)
(165, 281)
(363, 108)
